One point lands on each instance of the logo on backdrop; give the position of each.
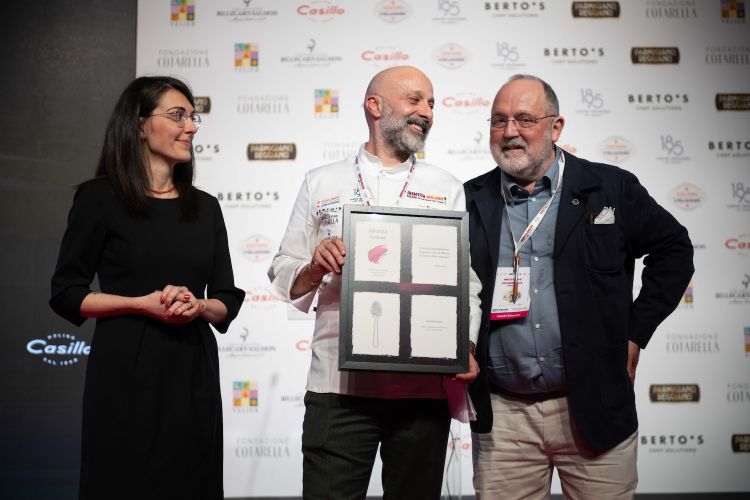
(658, 102)
(58, 349)
(311, 58)
(596, 9)
(687, 196)
(474, 147)
(326, 103)
(655, 55)
(246, 57)
(727, 149)
(741, 443)
(465, 103)
(338, 150)
(688, 299)
(257, 248)
(672, 150)
(392, 11)
(246, 13)
(260, 298)
(320, 10)
(574, 55)
(515, 9)
(245, 348)
(669, 9)
(202, 104)
(616, 149)
(182, 12)
(449, 12)
(592, 103)
(740, 197)
(451, 56)
(247, 199)
(739, 245)
(738, 392)
(245, 396)
(507, 57)
(273, 104)
(296, 400)
(747, 341)
(733, 11)
(692, 343)
(732, 102)
(740, 294)
(671, 443)
(182, 58)
(384, 57)
(725, 55)
(271, 152)
(205, 151)
(674, 393)
(262, 447)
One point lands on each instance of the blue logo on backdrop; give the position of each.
(59, 349)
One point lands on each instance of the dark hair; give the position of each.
(122, 161)
(549, 94)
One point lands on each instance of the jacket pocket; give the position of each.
(602, 248)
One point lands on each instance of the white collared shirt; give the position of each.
(316, 216)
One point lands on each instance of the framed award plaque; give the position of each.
(404, 290)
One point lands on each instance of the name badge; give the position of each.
(503, 306)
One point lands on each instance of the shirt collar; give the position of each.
(547, 182)
(371, 164)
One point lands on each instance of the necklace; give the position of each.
(165, 191)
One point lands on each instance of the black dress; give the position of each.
(152, 421)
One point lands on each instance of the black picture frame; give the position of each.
(404, 361)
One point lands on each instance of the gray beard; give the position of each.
(397, 135)
(529, 168)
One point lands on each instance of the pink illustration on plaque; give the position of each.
(376, 253)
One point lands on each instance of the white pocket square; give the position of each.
(606, 216)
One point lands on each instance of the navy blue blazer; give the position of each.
(593, 274)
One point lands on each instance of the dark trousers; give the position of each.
(340, 438)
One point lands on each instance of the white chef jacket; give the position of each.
(317, 216)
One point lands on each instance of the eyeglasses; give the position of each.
(181, 117)
(501, 122)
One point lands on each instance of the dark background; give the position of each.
(64, 64)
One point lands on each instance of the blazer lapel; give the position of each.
(573, 200)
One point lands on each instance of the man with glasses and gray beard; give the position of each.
(554, 239)
(348, 414)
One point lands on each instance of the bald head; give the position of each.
(398, 108)
(396, 80)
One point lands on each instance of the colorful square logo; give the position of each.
(687, 298)
(326, 101)
(733, 9)
(244, 393)
(246, 55)
(182, 10)
(747, 340)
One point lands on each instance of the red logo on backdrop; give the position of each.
(260, 298)
(303, 345)
(740, 244)
(466, 102)
(385, 56)
(319, 10)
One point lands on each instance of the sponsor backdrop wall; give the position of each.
(658, 87)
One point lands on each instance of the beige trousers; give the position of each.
(531, 436)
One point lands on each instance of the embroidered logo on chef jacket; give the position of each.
(428, 199)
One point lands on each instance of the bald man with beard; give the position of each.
(348, 414)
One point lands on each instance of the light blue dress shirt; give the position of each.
(525, 354)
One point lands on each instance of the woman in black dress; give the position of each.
(152, 421)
